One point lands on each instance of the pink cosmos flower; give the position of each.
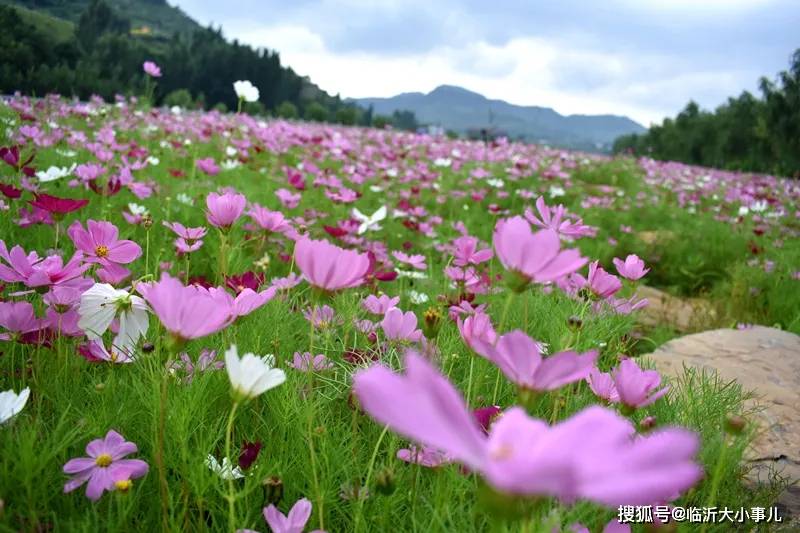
(105, 469)
(328, 267)
(224, 209)
(289, 199)
(554, 219)
(632, 268)
(62, 314)
(415, 261)
(602, 384)
(520, 358)
(186, 312)
(208, 165)
(594, 455)
(189, 239)
(269, 221)
(96, 351)
(33, 271)
(466, 252)
(399, 326)
(100, 245)
(18, 319)
(602, 284)
(423, 456)
(151, 69)
(321, 317)
(378, 305)
(294, 522)
(477, 330)
(535, 256)
(245, 302)
(636, 387)
(305, 362)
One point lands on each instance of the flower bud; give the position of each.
(273, 490)
(647, 423)
(432, 322)
(385, 481)
(735, 425)
(148, 347)
(574, 323)
(147, 221)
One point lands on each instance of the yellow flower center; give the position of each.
(101, 251)
(502, 452)
(103, 460)
(123, 484)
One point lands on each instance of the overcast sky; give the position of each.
(641, 58)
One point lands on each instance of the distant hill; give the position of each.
(151, 17)
(460, 110)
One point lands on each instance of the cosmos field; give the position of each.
(217, 322)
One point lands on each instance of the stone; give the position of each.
(763, 360)
(682, 314)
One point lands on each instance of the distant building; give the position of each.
(142, 30)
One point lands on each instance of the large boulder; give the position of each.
(681, 314)
(767, 362)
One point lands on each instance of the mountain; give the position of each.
(463, 111)
(153, 18)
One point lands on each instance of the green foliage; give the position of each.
(287, 110)
(347, 115)
(381, 121)
(316, 112)
(105, 52)
(179, 97)
(405, 120)
(745, 133)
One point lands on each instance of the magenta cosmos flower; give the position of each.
(465, 251)
(593, 455)
(536, 257)
(189, 239)
(269, 221)
(57, 206)
(18, 319)
(329, 267)
(632, 268)
(105, 469)
(208, 165)
(151, 69)
(378, 305)
(224, 209)
(520, 358)
(100, 244)
(186, 312)
(555, 219)
(628, 384)
(294, 522)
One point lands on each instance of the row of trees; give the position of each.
(760, 134)
(199, 67)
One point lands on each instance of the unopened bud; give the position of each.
(735, 425)
(385, 481)
(647, 423)
(147, 221)
(273, 490)
(574, 322)
(432, 322)
(148, 347)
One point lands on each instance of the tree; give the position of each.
(287, 110)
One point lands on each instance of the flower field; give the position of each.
(214, 322)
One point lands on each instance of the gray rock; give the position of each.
(767, 362)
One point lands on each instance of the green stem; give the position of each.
(231, 490)
(369, 476)
(717, 476)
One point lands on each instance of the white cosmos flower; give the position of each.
(137, 209)
(556, 191)
(495, 182)
(369, 222)
(417, 297)
(101, 303)
(55, 173)
(12, 403)
(184, 198)
(230, 164)
(230, 151)
(411, 274)
(224, 471)
(743, 210)
(443, 162)
(153, 161)
(245, 91)
(251, 375)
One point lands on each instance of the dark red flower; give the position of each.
(334, 231)
(248, 280)
(356, 356)
(200, 281)
(57, 206)
(177, 173)
(486, 415)
(110, 188)
(9, 191)
(249, 454)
